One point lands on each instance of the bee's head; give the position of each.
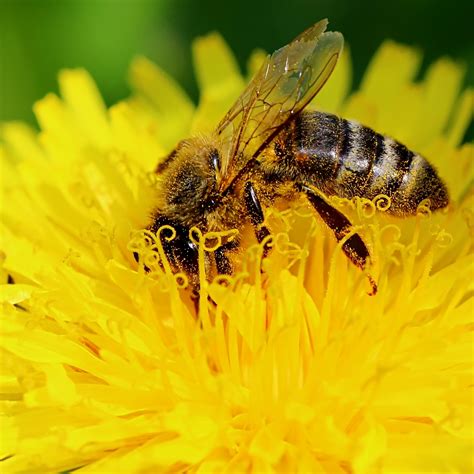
(189, 178)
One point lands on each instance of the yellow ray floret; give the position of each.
(109, 368)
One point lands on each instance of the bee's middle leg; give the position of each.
(255, 212)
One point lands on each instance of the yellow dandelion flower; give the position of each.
(106, 368)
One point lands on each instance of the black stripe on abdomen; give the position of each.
(357, 153)
(389, 169)
(405, 158)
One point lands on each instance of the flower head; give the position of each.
(108, 368)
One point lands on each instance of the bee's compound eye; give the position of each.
(215, 160)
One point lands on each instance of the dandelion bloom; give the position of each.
(107, 368)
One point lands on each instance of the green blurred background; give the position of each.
(37, 38)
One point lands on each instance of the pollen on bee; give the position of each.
(303, 158)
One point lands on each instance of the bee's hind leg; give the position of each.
(354, 247)
(255, 212)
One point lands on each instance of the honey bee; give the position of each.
(267, 147)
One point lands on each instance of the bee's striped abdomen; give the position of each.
(347, 159)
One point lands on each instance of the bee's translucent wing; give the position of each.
(286, 82)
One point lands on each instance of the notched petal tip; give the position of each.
(382, 78)
(160, 88)
(83, 98)
(215, 63)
